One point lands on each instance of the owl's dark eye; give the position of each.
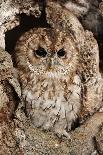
(41, 52)
(61, 53)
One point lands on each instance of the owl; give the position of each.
(47, 61)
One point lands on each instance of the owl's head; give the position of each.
(47, 52)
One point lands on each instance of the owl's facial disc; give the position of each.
(48, 52)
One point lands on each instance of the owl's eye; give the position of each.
(41, 52)
(61, 53)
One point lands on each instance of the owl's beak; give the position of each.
(51, 64)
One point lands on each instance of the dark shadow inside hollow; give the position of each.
(99, 1)
(75, 124)
(101, 55)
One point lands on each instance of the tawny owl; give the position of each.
(47, 60)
